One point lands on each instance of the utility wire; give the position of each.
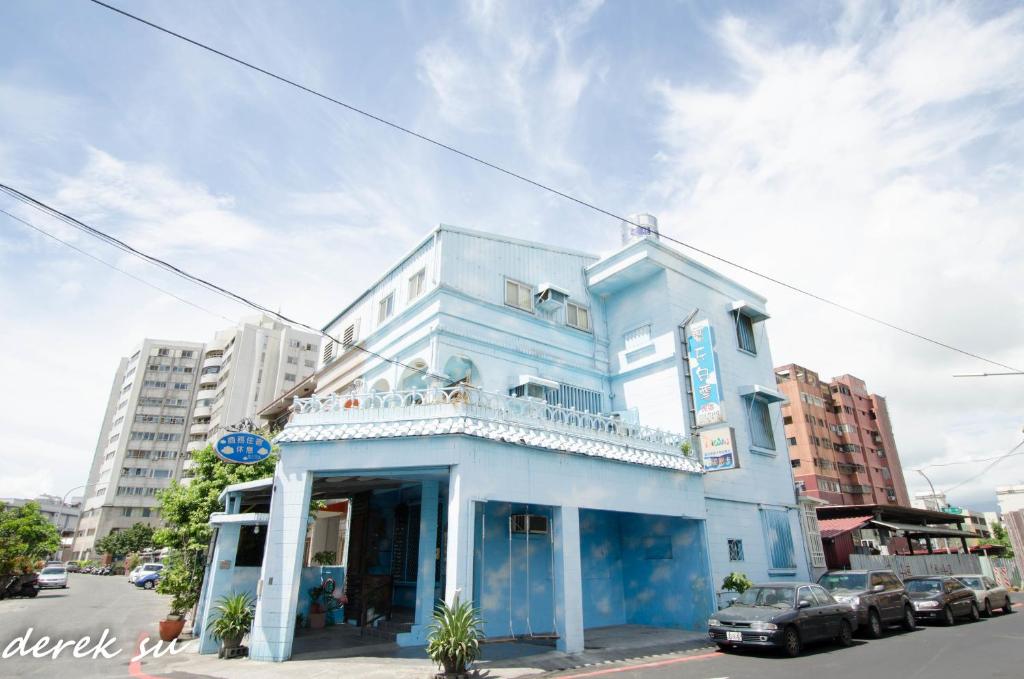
(950, 464)
(115, 268)
(542, 186)
(167, 266)
(986, 469)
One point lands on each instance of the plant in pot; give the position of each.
(182, 579)
(317, 608)
(454, 639)
(231, 620)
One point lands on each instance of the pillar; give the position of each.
(568, 579)
(278, 591)
(459, 557)
(218, 582)
(426, 572)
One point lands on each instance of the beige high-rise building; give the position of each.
(170, 399)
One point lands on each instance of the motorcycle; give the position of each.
(26, 585)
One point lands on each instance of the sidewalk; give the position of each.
(504, 660)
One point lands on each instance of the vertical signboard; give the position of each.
(707, 392)
(718, 449)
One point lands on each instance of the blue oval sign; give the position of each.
(242, 448)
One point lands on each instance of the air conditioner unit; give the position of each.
(550, 297)
(531, 386)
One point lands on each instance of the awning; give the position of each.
(931, 531)
(761, 393)
(752, 311)
(833, 527)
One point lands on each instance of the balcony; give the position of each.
(206, 393)
(199, 428)
(472, 412)
(212, 362)
(193, 446)
(201, 411)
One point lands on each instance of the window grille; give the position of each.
(779, 538)
(745, 332)
(735, 550)
(569, 396)
(761, 434)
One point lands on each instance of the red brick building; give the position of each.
(840, 439)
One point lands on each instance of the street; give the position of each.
(92, 605)
(986, 649)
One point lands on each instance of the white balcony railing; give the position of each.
(489, 415)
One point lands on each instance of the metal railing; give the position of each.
(465, 400)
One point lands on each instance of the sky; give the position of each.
(870, 152)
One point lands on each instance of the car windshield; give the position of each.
(774, 597)
(152, 568)
(855, 582)
(52, 571)
(973, 583)
(924, 586)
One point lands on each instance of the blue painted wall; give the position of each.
(643, 570)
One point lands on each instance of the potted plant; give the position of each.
(174, 623)
(736, 582)
(317, 608)
(182, 579)
(325, 558)
(232, 620)
(454, 639)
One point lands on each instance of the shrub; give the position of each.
(737, 582)
(455, 635)
(232, 617)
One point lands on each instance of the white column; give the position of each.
(426, 571)
(568, 579)
(218, 582)
(274, 624)
(459, 557)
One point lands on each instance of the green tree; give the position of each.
(124, 542)
(185, 509)
(25, 535)
(1001, 537)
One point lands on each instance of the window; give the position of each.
(292, 360)
(569, 396)
(519, 295)
(745, 333)
(186, 354)
(294, 344)
(823, 598)
(289, 377)
(309, 363)
(146, 511)
(386, 308)
(533, 523)
(638, 337)
(779, 538)
(788, 419)
(416, 284)
(161, 473)
(735, 550)
(794, 463)
(163, 352)
(126, 511)
(761, 434)
(350, 336)
(792, 440)
(251, 543)
(577, 316)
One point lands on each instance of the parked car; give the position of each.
(148, 580)
(72, 567)
(53, 577)
(942, 598)
(53, 563)
(989, 595)
(144, 569)
(878, 596)
(783, 616)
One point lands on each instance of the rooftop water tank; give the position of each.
(643, 226)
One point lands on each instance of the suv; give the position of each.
(144, 569)
(878, 597)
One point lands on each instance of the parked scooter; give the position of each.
(26, 585)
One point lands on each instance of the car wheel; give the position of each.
(1008, 608)
(948, 619)
(724, 648)
(148, 584)
(845, 633)
(791, 642)
(975, 613)
(909, 621)
(987, 612)
(874, 624)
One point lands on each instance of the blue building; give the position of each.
(571, 441)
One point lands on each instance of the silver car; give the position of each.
(990, 595)
(53, 577)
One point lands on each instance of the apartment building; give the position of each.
(243, 369)
(1010, 498)
(840, 439)
(142, 440)
(172, 398)
(63, 514)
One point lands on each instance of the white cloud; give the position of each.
(872, 170)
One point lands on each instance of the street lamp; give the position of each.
(934, 496)
(63, 501)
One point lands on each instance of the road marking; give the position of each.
(660, 663)
(135, 666)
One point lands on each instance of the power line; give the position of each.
(987, 468)
(115, 268)
(181, 273)
(542, 186)
(950, 464)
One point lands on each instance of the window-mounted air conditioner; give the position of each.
(531, 386)
(550, 297)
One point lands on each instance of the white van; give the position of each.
(143, 570)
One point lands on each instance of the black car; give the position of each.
(783, 616)
(942, 598)
(878, 596)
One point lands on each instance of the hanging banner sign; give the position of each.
(242, 448)
(718, 449)
(707, 392)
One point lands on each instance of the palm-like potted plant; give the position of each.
(232, 620)
(317, 608)
(455, 636)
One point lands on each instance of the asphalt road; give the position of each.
(992, 648)
(91, 606)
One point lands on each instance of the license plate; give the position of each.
(734, 636)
